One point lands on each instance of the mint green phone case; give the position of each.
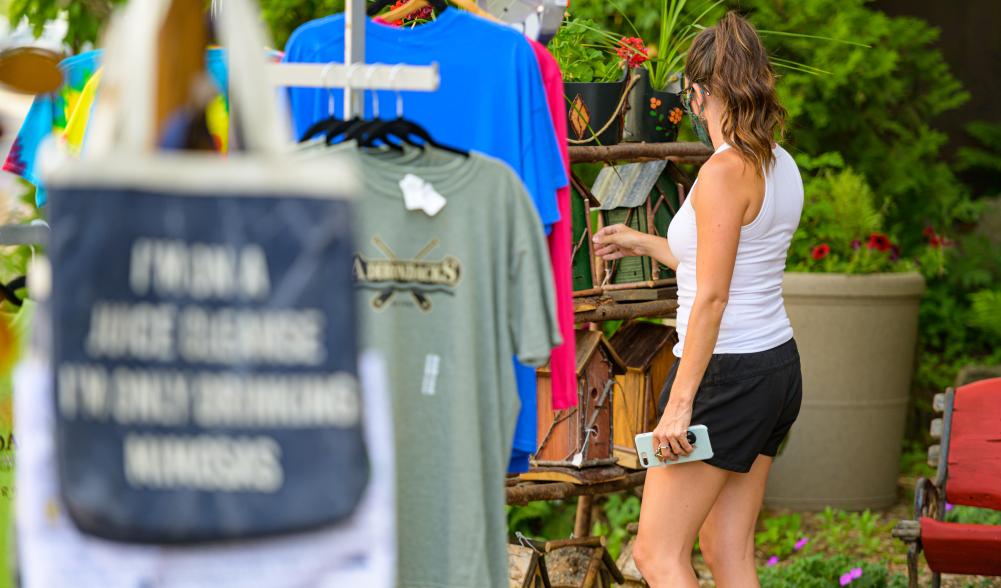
(702, 449)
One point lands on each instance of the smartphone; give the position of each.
(698, 437)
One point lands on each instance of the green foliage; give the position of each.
(983, 162)
(283, 16)
(876, 105)
(549, 520)
(779, 535)
(852, 533)
(585, 52)
(842, 230)
(986, 311)
(914, 460)
(973, 516)
(619, 510)
(86, 19)
(679, 22)
(820, 571)
(947, 342)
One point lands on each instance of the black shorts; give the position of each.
(748, 401)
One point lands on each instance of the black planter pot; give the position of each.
(653, 116)
(659, 116)
(638, 97)
(592, 107)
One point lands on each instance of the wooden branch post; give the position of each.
(582, 522)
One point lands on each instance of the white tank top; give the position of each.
(755, 317)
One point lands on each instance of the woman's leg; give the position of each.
(676, 499)
(727, 536)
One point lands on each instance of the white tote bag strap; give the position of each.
(123, 117)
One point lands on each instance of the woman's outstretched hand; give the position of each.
(671, 434)
(617, 241)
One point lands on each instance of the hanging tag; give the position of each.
(433, 202)
(413, 191)
(420, 195)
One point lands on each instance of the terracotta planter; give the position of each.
(856, 336)
(593, 115)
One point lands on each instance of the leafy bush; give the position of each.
(982, 163)
(875, 105)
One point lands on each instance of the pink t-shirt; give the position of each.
(562, 362)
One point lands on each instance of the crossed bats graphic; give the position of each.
(386, 295)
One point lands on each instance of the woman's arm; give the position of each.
(726, 189)
(618, 241)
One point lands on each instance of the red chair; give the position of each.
(969, 474)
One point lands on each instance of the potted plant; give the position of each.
(852, 296)
(655, 105)
(594, 82)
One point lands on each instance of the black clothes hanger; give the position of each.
(332, 126)
(404, 130)
(9, 291)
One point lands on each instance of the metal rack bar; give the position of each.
(371, 77)
(33, 234)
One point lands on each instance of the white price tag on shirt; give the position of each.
(421, 195)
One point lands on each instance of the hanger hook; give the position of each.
(375, 93)
(325, 78)
(394, 75)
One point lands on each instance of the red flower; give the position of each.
(820, 251)
(928, 232)
(879, 242)
(935, 241)
(632, 50)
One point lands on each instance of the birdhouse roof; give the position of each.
(588, 342)
(638, 342)
(628, 185)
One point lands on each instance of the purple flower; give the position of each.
(845, 579)
(856, 245)
(801, 543)
(894, 253)
(948, 507)
(773, 560)
(855, 573)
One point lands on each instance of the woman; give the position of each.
(738, 371)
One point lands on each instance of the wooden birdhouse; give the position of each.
(632, 195)
(527, 566)
(646, 350)
(581, 563)
(580, 436)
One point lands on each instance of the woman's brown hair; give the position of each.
(731, 63)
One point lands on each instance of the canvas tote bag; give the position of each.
(204, 336)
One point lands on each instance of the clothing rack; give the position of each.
(353, 75)
(35, 233)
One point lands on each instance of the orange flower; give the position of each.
(655, 103)
(675, 116)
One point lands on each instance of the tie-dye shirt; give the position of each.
(65, 113)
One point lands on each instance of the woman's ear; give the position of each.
(698, 98)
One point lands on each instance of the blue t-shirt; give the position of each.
(491, 99)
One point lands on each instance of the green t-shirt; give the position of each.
(448, 300)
